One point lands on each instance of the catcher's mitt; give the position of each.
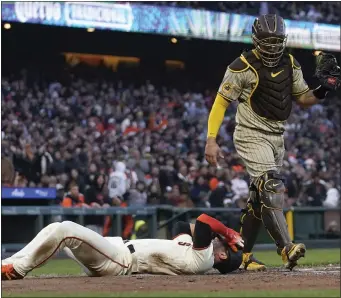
(328, 71)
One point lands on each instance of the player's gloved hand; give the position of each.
(328, 71)
(234, 240)
(212, 152)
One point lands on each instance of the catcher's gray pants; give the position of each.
(260, 151)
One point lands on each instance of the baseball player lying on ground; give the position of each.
(196, 249)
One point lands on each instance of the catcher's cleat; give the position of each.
(292, 253)
(8, 273)
(250, 263)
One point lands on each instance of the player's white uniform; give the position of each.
(171, 257)
(101, 256)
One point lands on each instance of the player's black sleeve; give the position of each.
(202, 235)
(181, 227)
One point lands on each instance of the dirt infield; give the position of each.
(276, 279)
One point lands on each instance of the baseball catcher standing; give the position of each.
(265, 81)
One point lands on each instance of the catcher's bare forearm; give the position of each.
(307, 99)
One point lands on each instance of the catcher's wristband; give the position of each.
(320, 92)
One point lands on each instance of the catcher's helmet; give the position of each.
(269, 38)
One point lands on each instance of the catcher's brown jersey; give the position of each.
(258, 141)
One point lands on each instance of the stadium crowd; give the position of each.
(103, 142)
(324, 11)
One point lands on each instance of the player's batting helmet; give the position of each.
(269, 38)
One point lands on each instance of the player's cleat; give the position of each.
(250, 263)
(8, 273)
(292, 253)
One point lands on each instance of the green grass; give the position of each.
(314, 257)
(58, 267)
(297, 293)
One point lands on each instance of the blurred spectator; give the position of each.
(73, 198)
(183, 179)
(58, 165)
(59, 194)
(178, 199)
(76, 179)
(240, 188)
(118, 181)
(167, 177)
(138, 196)
(217, 196)
(96, 197)
(131, 177)
(316, 191)
(193, 174)
(333, 230)
(45, 161)
(91, 174)
(199, 192)
(152, 176)
(25, 163)
(21, 181)
(7, 172)
(333, 196)
(154, 195)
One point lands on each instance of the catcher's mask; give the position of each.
(233, 261)
(269, 38)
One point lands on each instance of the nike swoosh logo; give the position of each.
(274, 185)
(273, 75)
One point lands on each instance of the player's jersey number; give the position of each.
(184, 243)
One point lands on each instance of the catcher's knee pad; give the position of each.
(271, 193)
(271, 190)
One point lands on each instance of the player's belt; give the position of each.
(130, 246)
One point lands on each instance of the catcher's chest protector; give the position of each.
(272, 97)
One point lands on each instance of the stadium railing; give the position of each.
(309, 224)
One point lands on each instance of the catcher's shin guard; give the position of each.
(271, 193)
(250, 221)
